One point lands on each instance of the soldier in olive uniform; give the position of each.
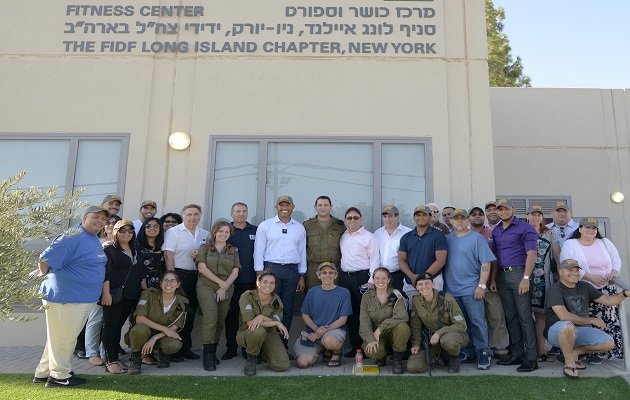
(156, 328)
(218, 264)
(383, 321)
(261, 316)
(323, 233)
(448, 333)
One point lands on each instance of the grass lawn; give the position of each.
(19, 387)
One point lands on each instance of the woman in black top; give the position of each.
(150, 255)
(123, 272)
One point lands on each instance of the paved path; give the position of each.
(24, 360)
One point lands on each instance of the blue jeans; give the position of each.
(286, 284)
(477, 329)
(93, 328)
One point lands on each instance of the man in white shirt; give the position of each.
(562, 222)
(359, 258)
(388, 238)
(148, 209)
(180, 247)
(281, 247)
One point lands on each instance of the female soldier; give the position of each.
(383, 321)
(160, 314)
(218, 264)
(261, 315)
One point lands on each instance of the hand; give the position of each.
(194, 253)
(313, 336)
(435, 339)
(300, 285)
(255, 323)
(223, 285)
(377, 334)
(106, 299)
(371, 347)
(369, 286)
(523, 287)
(479, 293)
(415, 349)
(220, 294)
(171, 333)
(598, 323)
(283, 330)
(321, 331)
(493, 286)
(613, 274)
(596, 279)
(148, 346)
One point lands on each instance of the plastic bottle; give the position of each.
(358, 361)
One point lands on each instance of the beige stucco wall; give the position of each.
(444, 97)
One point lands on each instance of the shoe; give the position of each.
(229, 354)
(188, 354)
(555, 351)
(250, 365)
(208, 361)
(528, 366)
(397, 364)
(44, 380)
(595, 360)
(164, 361)
(176, 358)
(67, 382)
(80, 354)
(484, 361)
(465, 358)
(381, 362)
(136, 363)
(452, 363)
(511, 361)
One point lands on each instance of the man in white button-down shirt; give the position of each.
(388, 238)
(281, 246)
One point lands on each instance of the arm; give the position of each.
(169, 260)
(440, 260)
(164, 330)
(416, 332)
(454, 316)
(366, 330)
(259, 248)
(565, 315)
(614, 259)
(404, 266)
(43, 268)
(494, 269)
(614, 299)
(399, 315)
(483, 278)
(523, 286)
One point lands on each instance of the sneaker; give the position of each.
(72, 381)
(484, 361)
(465, 358)
(595, 360)
(555, 351)
(44, 380)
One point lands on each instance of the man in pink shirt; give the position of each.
(359, 258)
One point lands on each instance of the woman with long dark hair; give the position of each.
(121, 290)
(150, 255)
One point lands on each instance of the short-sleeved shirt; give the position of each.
(463, 265)
(77, 268)
(243, 240)
(326, 306)
(219, 263)
(512, 243)
(576, 300)
(421, 249)
(151, 306)
(182, 243)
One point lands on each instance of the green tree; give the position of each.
(26, 215)
(503, 70)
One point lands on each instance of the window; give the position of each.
(95, 162)
(361, 172)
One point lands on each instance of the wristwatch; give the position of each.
(624, 294)
(526, 277)
(482, 286)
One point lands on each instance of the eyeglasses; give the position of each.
(171, 281)
(354, 217)
(476, 215)
(123, 230)
(152, 226)
(327, 273)
(110, 222)
(171, 221)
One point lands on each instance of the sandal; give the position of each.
(566, 373)
(335, 359)
(545, 358)
(114, 368)
(149, 360)
(579, 365)
(326, 356)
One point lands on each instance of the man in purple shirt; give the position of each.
(515, 244)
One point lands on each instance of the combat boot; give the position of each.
(208, 361)
(136, 363)
(397, 365)
(250, 365)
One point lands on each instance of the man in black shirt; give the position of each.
(568, 323)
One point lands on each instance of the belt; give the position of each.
(355, 273)
(511, 268)
(269, 264)
(187, 271)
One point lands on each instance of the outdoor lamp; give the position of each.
(179, 140)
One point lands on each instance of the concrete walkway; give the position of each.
(24, 359)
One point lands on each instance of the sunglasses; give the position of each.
(124, 230)
(476, 215)
(152, 226)
(110, 222)
(171, 221)
(355, 217)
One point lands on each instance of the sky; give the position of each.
(571, 44)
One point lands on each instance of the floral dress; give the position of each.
(542, 276)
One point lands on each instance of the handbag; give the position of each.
(117, 293)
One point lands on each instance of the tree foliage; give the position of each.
(504, 71)
(26, 215)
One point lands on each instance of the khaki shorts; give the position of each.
(314, 348)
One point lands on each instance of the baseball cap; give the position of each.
(148, 203)
(568, 264)
(422, 209)
(111, 197)
(490, 203)
(504, 203)
(284, 199)
(95, 209)
(123, 222)
(391, 210)
(459, 211)
(588, 222)
(535, 208)
(475, 208)
(326, 264)
(561, 204)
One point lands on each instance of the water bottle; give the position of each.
(358, 361)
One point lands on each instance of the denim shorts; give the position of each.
(584, 335)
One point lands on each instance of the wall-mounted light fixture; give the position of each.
(617, 197)
(179, 140)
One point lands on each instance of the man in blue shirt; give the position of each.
(422, 249)
(74, 266)
(243, 239)
(516, 245)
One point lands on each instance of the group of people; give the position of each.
(483, 282)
